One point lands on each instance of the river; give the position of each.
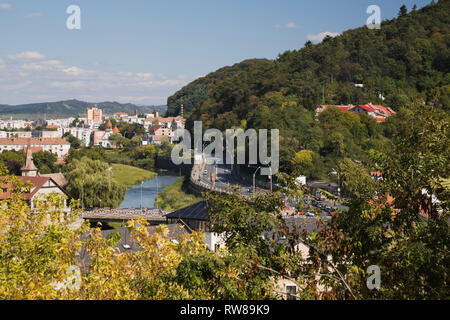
(150, 190)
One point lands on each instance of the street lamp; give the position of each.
(271, 179)
(141, 193)
(254, 180)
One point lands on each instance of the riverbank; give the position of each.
(130, 176)
(174, 197)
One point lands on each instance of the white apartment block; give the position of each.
(58, 146)
(84, 134)
(62, 123)
(14, 124)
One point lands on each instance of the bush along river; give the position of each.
(146, 192)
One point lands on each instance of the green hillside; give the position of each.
(407, 59)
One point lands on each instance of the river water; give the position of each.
(150, 190)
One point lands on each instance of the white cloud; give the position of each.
(291, 25)
(29, 77)
(33, 15)
(4, 5)
(319, 37)
(15, 86)
(27, 55)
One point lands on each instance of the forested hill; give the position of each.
(406, 60)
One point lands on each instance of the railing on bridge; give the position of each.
(125, 214)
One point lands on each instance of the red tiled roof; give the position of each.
(116, 130)
(120, 114)
(37, 183)
(33, 141)
(156, 128)
(385, 110)
(33, 149)
(367, 108)
(57, 177)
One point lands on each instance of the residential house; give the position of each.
(378, 112)
(196, 218)
(101, 138)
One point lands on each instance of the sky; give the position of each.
(143, 51)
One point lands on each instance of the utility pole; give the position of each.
(82, 196)
(141, 194)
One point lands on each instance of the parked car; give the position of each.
(310, 214)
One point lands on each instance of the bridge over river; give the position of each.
(119, 215)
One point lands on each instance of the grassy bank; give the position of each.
(130, 176)
(175, 196)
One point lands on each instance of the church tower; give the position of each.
(29, 169)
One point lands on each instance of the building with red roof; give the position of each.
(40, 188)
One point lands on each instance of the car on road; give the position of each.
(205, 172)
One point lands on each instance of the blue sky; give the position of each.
(142, 51)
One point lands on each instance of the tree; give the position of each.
(91, 181)
(48, 255)
(75, 143)
(307, 162)
(410, 249)
(403, 11)
(118, 140)
(14, 161)
(45, 161)
(355, 180)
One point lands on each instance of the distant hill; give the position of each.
(70, 108)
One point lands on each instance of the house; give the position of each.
(322, 108)
(378, 112)
(376, 175)
(196, 218)
(168, 122)
(101, 138)
(30, 170)
(58, 146)
(120, 116)
(40, 188)
(161, 130)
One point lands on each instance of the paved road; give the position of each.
(225, 181)
(224, 178)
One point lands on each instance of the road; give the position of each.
(225, 181)
(224, 178)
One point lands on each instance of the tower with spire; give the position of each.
(29, 169)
